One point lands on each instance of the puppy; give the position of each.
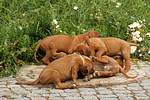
(107, 69)
(64, 69)
(63, 43)
(110, 47)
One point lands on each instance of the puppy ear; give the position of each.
(90, 69)
(87, 51)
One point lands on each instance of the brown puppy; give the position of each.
(110, 69)
(110, 47)
(64, 69)
(63, 43)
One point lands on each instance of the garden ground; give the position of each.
(139, 90)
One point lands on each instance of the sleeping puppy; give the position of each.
(63, 43)
(110, 47)
(107, 69)
(64, 69)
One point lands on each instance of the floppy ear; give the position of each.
(87, 51)
(87, 40)
(93, 34)
(84, 70)
(90, 69)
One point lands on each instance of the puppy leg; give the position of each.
(53, 76)
(120, 61)
(126, 56)
(47, 57)
(100, 60)
(106, 73)
(54, 53)
(99, 54)
(75, 74)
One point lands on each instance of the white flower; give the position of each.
(148, 34)
(61, 31)
(75, 7)
(139, 39)
(55, 21)
(149, 52)
(137, 24)
(134, 38)
(133, 49)
(113, 0)
(84, 30)
(118, 5)
(20, 27)
(57, 26)
(140, 55)
(136, 34)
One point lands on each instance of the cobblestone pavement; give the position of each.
(132, 91)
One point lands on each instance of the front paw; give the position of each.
(92, 58)
(96, 74)
(86, 79)
(77, 83)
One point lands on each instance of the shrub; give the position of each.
(25, 22)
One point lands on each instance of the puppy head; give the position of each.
(92, 33)
(86, 70)
(82, 49)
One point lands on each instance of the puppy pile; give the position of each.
(88, 53)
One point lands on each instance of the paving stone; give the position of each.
(13, 86)
(142, 98)
(4, 90)
(137, 92)
(124, 95)
(31, 88)
(71, 90)
(55, 98)
(70, 94)
(121, 92)
(108, 99)
(3, 83)
(40, 91)
(56, 91)
(101, 88)
(22, 99)
(20, 90)
(126, 98)
(133, 85)
(39, 98)
(90, 97)
(86, 89)
(87, 93)
(54, 95)
(105, 92)
(73, 98)
(106, 96)
(33, 95)
(134, 88)
(2, 86)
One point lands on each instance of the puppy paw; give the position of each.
(86, 79)
(77, 83)
(92, 58)
(96, 74)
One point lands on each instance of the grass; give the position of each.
(29, 21)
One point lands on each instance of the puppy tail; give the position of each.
(36, 48)
(123, 72)
(133, 44)
(30, 83)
